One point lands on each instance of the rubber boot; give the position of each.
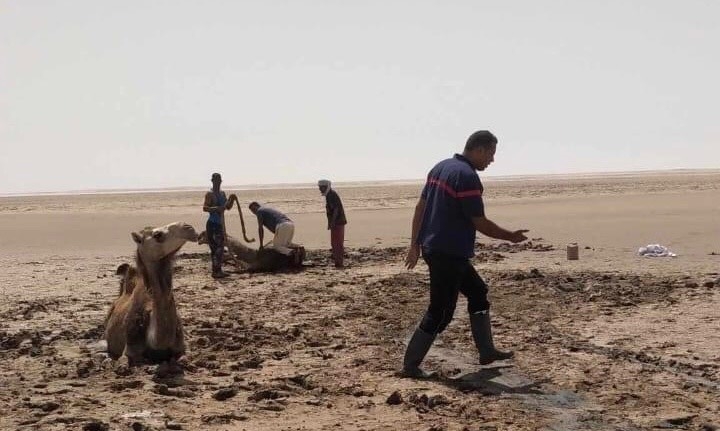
(482, 334)
(417, 348)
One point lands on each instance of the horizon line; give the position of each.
(358, 183)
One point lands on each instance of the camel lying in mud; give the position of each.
(143, 323)
(265, 260)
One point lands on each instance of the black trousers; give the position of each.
(216, 241)
(450, 275)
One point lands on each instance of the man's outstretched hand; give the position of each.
(412, 256)
(518, 236)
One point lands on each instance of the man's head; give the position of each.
(324, 186)
(254, 207)
(480, 149)
(216, 179)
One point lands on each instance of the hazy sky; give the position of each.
(126, 94)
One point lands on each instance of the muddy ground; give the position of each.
(319, 350)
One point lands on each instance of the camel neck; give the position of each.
(158, 281)
(157, 275)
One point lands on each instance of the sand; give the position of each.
(611, 341)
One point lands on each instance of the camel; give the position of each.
(143, 323)
(265, 260)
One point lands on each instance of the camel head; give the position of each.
(154, 244)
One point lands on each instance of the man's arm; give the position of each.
(333, 202)
(261, 230)
(414, 251)
(207, 205)
(489, 228)
(334, 218)
(232, 199)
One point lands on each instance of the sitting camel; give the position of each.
(265, 260)
(143, 323)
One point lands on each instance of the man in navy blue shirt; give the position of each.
(216, 203)
(277, 223)
(447, 215)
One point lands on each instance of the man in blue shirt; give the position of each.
(447, 215)
(216, 204)
(277, 223)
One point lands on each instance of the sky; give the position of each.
(99, 94)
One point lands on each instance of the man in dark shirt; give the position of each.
(277, 223)
(336, 221)
(447, 215)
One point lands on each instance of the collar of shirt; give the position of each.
(464, 159)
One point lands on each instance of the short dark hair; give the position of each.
(215, 175)
(481, 138)
(253, 204)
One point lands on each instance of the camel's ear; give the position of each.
(122, 269)
(137, 237)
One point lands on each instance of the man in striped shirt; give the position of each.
(448, 214)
